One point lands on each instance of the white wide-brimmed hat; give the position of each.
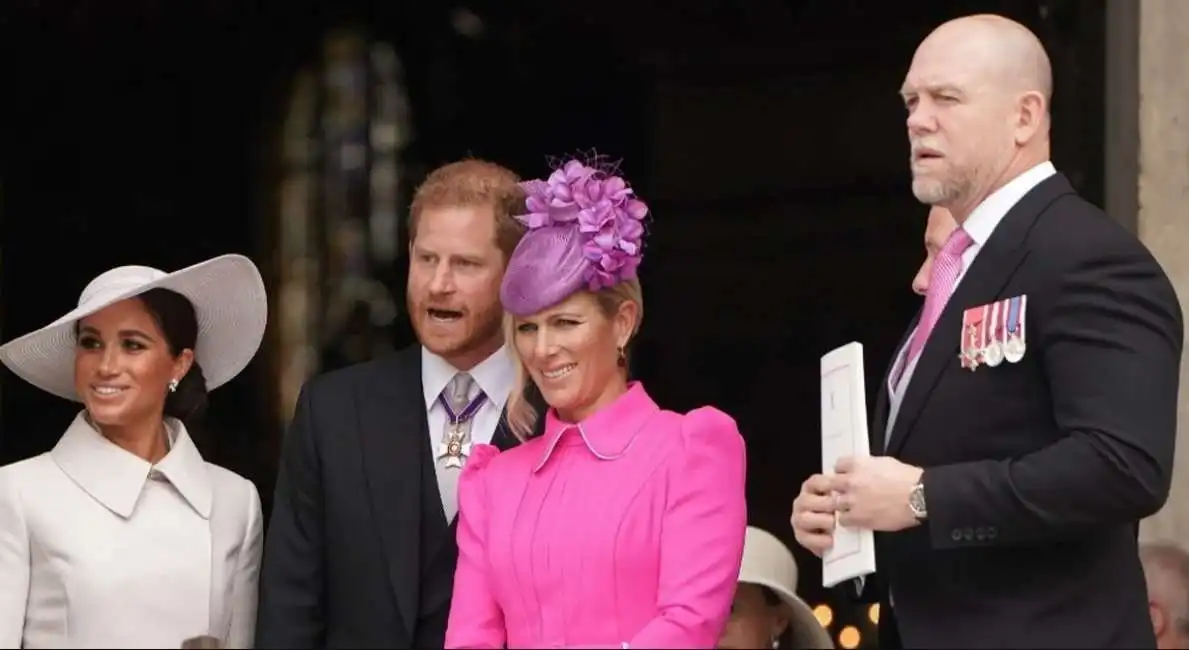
(229, 301)
(768, 562)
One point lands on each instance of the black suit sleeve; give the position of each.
(1110, 346)
(292, 597)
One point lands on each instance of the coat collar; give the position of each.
(115, 477)
(987, 215)
(608, 433)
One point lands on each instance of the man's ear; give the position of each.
(1159, 618)
(1032, 115)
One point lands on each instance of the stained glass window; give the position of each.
(342, 196)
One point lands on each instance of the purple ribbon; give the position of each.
(467, 413)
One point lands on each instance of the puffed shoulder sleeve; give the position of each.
(476, 620)
(702, 535)
(14, 563)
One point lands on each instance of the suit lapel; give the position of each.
(994, 265)
(393, 427)
(879, 419)
(395, 440)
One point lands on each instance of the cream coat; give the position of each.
(100, 549)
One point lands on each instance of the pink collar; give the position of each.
(608, 433)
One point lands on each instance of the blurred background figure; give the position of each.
(1166, 568)
(767, 612)
(941, 223)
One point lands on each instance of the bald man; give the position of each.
(937, 229)
(1166, 567)
(1027, 423)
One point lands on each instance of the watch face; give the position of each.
(916, 501)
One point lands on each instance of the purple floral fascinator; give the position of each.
(585, 230)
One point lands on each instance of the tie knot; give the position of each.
(957, 243)
(458, 391)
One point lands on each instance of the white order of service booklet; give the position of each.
(844, 433)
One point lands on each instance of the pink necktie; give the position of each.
(942, 278)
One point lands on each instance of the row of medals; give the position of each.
(994, 353)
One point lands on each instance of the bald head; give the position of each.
(1002, 51)
(1166, 569)
(978, 96)
(938, 228)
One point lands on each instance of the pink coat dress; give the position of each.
(625, 531)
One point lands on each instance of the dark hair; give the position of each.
(175, 316)
(772, 599)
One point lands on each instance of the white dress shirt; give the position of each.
(101, 549)
(495, 376)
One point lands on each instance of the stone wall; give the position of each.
(1148, 186)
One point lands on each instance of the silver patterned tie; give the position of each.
(456, 438)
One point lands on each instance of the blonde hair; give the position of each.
(522, 417)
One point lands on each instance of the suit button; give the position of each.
(968, 534)
(992, 533)
(980, 533)
(956, 534)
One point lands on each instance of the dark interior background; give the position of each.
(767, 137)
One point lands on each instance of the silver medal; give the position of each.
(454, 449)
(1014, 348)
(993, 354)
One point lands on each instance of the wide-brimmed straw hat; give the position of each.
(229, 301)
(769, 563)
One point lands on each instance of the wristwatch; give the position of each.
(916, 502)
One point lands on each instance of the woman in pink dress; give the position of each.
(622, 526)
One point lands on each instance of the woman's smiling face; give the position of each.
(572, 352)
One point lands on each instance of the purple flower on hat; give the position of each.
(555, 200)
(606, 212)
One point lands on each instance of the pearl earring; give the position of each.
(173, 385)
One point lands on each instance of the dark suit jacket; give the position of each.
(1037, 473)
(344, 564)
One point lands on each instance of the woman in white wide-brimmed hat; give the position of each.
(122, 536)
(767, 612)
